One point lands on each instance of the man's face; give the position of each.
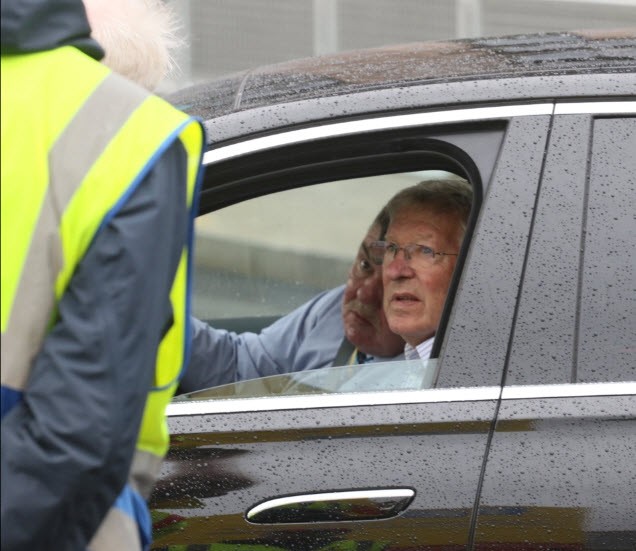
(414, 294)
(364, 321)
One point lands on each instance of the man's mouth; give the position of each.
(404, 298)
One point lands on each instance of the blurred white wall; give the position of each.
(226, 36)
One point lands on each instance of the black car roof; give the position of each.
(408, 76)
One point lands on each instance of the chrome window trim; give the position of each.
(416, 119)
(596, 108)
(568, 390)
(321, 401)
(374, 124)
(476, 394)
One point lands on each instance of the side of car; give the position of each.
(535, 363)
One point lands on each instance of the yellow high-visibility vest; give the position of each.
(60, 185)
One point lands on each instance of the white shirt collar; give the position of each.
(421, 351)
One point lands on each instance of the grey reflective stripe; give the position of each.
(34, 300)
(74, 153)
(144, 471)
(114, 100)
(118, 531)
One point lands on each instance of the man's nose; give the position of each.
(397, 267)
(370, 292)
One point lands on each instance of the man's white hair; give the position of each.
(138, 36)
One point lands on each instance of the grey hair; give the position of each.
(138, 36)
(452, 196)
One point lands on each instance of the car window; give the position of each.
(260, 259)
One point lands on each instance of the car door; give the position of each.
(561, 472)
(381, 469)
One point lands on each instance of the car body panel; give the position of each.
(236, 466)
(566, 457)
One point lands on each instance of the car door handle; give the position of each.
(333, 506)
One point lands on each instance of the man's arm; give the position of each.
(306, 338)
(67, 447)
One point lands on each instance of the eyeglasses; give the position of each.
(418, 254)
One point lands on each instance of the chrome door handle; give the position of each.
(333, 506)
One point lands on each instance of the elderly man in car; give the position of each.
(418, 255)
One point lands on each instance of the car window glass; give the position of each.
(381, 376)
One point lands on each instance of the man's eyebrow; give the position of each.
(423, 236)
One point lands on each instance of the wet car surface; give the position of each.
(523, 435)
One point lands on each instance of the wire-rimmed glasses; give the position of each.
(422, 255)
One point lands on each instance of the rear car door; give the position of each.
(378, 470)
(561, 472)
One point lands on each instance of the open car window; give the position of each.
(270, 277)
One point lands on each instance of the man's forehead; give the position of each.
(420, 229)
(423, 222)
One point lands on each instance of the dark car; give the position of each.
(522, 431)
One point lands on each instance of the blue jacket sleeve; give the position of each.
(68, 445)
(306, 338)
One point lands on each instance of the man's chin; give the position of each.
(405, 328)
(413, 335)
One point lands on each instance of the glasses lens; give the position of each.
(421, 254)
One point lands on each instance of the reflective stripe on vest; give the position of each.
(51, 212)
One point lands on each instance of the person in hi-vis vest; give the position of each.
(99, 182)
